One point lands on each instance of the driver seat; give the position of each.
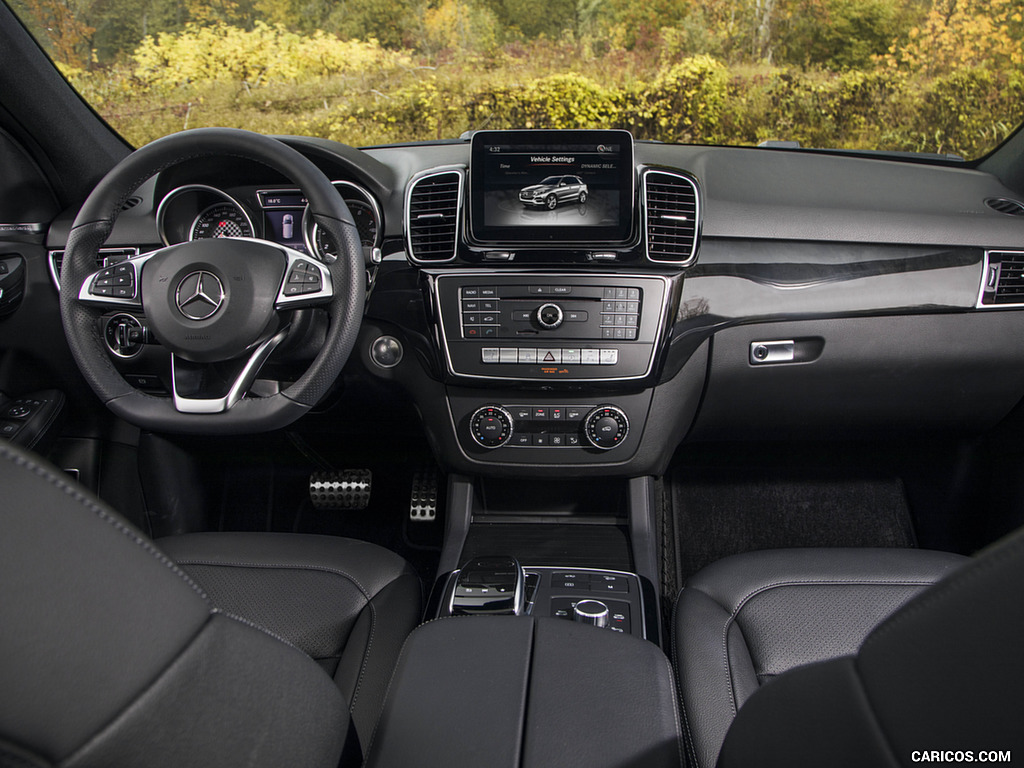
(207, 649)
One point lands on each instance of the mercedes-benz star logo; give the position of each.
(199, 295)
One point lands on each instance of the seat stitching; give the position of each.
(690, 747)
(366, 657)
(791, 583)
(254, 625)
(675, 711)
(387, 692)
(105, 516)
(292, 566)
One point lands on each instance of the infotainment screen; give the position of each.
(551, 187)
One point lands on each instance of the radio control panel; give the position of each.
(543, 327)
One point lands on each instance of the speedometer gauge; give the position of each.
(221, 220)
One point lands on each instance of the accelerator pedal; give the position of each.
(423, 500)
(347, 489)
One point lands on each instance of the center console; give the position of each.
(520, 692)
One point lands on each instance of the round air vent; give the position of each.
(1005, 205)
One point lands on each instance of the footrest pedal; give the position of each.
(423, 500)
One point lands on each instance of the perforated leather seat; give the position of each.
(207, 649)
(850, 657)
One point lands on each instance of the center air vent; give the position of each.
(432, 216)
(1003, 280)
(671, 217)
(1005, 205)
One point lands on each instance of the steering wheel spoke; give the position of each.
(306, 282)
(118, 285)
(216, 388)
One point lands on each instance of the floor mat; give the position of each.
(714, 515)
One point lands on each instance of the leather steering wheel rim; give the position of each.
(94, 224)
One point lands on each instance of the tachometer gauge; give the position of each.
(221, 220)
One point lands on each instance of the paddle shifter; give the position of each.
(491, 585)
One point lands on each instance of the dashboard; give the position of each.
(576, 302)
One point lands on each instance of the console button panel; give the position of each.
(556, 591)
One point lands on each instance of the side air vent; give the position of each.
(1002, 283)
(131, 202)
(432, 217)
(1005, 205)
(671, 217)
(106, 257)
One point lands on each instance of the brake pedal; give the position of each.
(423, 500)
(347, 489)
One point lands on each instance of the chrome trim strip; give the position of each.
(23, 228)
(482, 274)
(698, 219)
(460, 171)
(984, 276)
(161, 210)
(238, 389)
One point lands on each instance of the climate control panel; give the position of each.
(549, 426)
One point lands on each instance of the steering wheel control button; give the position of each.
(549, 316)
(606, 427)
(491, 426)
(386, 352)
(303, 279)
(116, 282)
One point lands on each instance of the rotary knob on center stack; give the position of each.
(549, 316)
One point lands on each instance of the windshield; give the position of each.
(933, 76)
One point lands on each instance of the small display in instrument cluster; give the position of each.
(285, 227)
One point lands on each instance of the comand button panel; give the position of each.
(544, 327)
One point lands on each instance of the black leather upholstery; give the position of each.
(520, 692)
(748, 618)
(347, 604)
(941, 675)
(112, 655)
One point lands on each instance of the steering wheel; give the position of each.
(219, 306)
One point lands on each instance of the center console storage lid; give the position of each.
(524, 692)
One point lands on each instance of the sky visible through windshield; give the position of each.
(935, 76)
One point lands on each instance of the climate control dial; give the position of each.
(606, 427)
(491, 426)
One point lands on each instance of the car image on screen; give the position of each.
(553, 191)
